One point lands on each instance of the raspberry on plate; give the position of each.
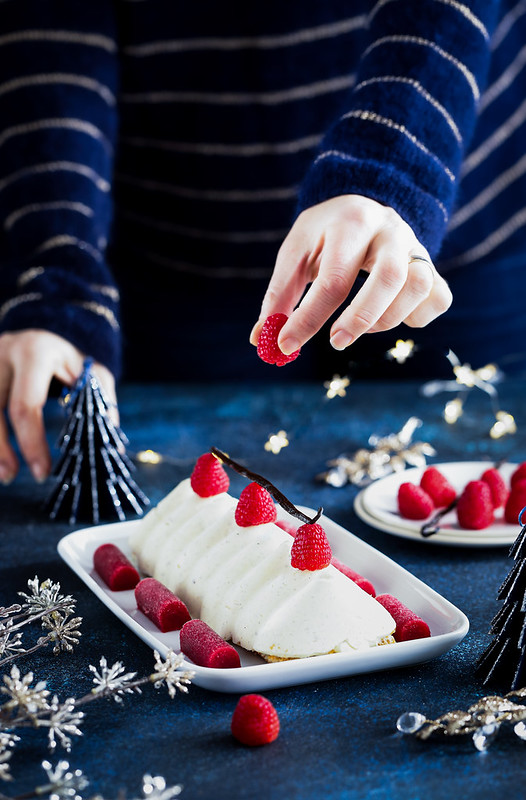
(475, 506)
(268, 349)
(255, 506)
(515, 502)
(311, 549)
(441, 492)
(414, 502)
(255, 721)
(209, 476)
(499, 490)
(519, 474)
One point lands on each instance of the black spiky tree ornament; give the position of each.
(503, 662)
(92, 479)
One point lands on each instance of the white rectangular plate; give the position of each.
(447, 623)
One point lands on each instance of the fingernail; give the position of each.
(289, 346)
(6, 474)
(340, 340)
(38, 471)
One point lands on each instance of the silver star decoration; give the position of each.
(155, 788)
(113, 680)
(63, 722)
(64, 784)
(168, 671)
(22, 695)
(388, 454)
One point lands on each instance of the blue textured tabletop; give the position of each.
(338, 738)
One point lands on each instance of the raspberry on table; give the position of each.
(414, 502)
(440, 490)
(311, 549)
(255, 721)
(268, 349)
(255, 506)
(209, 476)
(475, 506)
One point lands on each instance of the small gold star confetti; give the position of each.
(276, 442)
(336, 386)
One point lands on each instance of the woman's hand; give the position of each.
(29, 360)
(327, 247)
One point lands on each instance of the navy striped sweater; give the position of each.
(186, 137)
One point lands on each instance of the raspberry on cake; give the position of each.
(255, 506)
(311, 549)
(241, 583)
(209, 476)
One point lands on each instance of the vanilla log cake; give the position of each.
(233, 569)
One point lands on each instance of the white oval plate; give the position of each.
(447, 623)
(377, 505)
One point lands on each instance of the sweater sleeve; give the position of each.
(411, 113)
(58, 86)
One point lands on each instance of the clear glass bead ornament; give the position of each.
(520, 730)
(484, 736)
(410, 722)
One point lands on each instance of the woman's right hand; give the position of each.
(29, 360)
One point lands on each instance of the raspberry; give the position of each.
(255, 506)
(438, 487)
(206, 647)
(408, 624)
(519, 474)
(268, 349)
(117, 572)
(362, 582)
(255, 721)
(414, 502)
(515, 502)
(209, 477)
(475, 506)
(497, 486)
(311, 549)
